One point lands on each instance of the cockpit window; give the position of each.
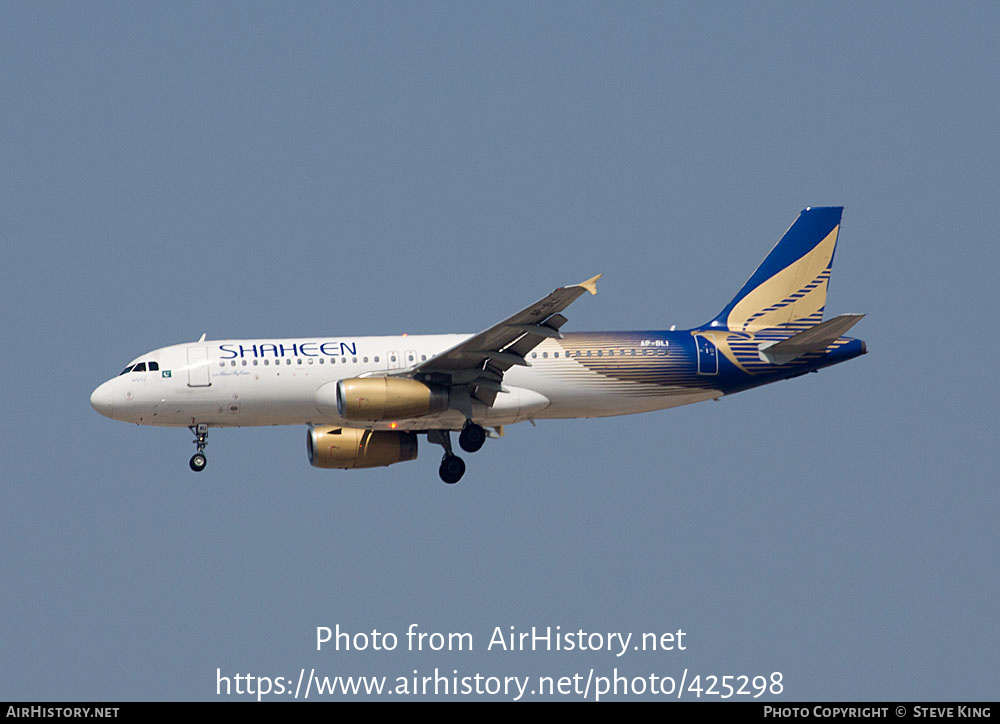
(140, 367)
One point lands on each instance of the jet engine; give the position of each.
(388, 398)
(351, 447)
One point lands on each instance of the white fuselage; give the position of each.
(235, 383)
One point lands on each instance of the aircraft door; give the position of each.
(393, 358)
(708, 355)
(198, 375)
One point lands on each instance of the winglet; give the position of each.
(591, 284)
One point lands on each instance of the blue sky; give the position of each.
(245, 169)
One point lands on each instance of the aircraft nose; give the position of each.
(100, 399)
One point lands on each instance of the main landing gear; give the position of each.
(452, 468)
(470, 439)
(198, 460)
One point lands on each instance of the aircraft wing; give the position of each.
(481, 360)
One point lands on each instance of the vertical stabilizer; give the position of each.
(787, 292)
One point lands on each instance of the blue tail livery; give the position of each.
(775, 322)
(788, 290)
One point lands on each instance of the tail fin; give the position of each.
(787, 293)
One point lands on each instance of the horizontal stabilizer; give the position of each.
(814, 339)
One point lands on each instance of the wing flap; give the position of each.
(506, 344)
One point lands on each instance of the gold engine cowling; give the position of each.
(350, 447)
(388, 398)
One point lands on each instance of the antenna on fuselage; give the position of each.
(202, 337)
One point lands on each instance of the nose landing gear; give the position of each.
(198, 460)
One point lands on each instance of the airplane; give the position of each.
(365, 400)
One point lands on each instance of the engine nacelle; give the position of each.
(350, 447)
(388, 398)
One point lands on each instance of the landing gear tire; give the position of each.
(452, 469)
(472, 438)
(198, 460)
